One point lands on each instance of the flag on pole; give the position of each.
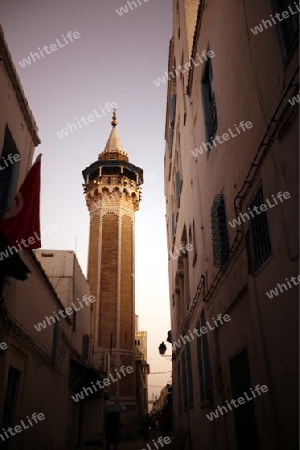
(21, 223)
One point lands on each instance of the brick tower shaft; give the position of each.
(113, 192)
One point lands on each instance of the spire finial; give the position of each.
(114, 119)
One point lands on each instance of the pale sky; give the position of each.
(114, 59)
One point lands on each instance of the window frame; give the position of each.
(220, 236)
(255, 236)
(8, 174)
(209, 102)
(288, 44)
(204, 369)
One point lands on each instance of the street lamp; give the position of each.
(162, 350)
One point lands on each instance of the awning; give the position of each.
(81, 375)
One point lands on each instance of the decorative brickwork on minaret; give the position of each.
(112, 192)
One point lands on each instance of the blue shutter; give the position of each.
(172, 107)
(177, 185)
(173, 224)
(170, 140)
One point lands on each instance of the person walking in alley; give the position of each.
(146, 425)
(112, 428)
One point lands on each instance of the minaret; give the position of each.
(112, 191)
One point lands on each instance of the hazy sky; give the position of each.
(115, 59)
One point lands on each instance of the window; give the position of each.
(288, 29)
(177, 188)
(173, 224)
(259, 233)
(170, 139)
(220, 239)
(209, 102)
(194, 245)
(244, 416)
(203, 362)
(184, 100)
(111, 170)
(183, 272)
(172, 109)
(8, 172)
(93, 175)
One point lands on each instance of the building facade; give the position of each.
(231, 186)
(43, 361)
(65, 275)
(142, 370)
(140, 339)
(112, 192)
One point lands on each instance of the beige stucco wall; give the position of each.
(43, 385)
(65, 274)
(43, 382)
(15, 112)
(249, 81)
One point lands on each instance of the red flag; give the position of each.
(21, 223)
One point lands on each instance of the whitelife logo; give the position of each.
(285, 15)
(53, 47)
(240, 401)
(259, 209)
(25, 243)
(296, 99)
(124, 9)
(42, 325)
(86, 120)
(18, 428)
(9, 160)
(199, 332)
(187, 66)
(244, 126)
(161, 441)
(274, 292)
(102, 383)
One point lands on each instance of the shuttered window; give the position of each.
(220, 238)
(259, 233)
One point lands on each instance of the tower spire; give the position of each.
(114, 148)
(114, 119)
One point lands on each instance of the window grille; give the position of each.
(259, 233)
(220, 239)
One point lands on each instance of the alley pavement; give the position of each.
(134, 445)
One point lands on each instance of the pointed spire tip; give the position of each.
(114, 122)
